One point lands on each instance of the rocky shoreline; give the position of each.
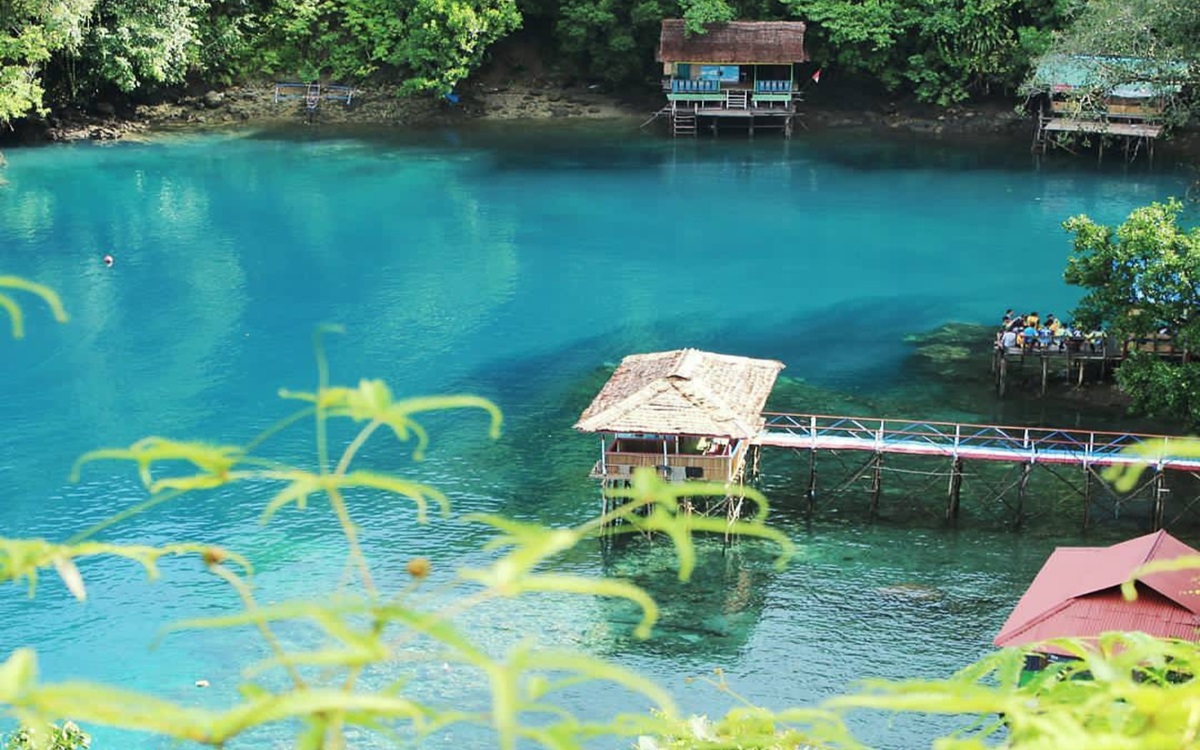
(533, 100)
(254, 104)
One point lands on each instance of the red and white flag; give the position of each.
(816, 77)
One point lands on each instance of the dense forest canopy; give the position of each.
(55, 52)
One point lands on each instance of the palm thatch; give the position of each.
(744, 42)
(683, 392)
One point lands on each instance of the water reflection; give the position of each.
(709, 618)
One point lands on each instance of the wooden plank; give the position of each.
(1075, 125)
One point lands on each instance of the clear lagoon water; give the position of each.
(518, 264)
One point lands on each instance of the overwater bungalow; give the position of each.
(1121, 99)
(689, 414)
(740, 73)
(1077, 594)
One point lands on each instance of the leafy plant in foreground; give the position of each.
(1137, 692)
(361, 625)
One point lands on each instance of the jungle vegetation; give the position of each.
(76, 52)
(1143, 283)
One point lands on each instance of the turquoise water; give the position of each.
(515, 265)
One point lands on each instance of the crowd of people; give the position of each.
(1029, 331)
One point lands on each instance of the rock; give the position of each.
(105, 108)
(213, 99)
(916, 592)
(594, 110)
(560, 111)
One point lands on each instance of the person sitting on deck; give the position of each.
(1032, 319)
(1044, 338)
(1008, 318)
(1029, 337)
(1009, 340)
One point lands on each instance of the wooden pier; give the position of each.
(1074, 356)
(1024, 448)
(698, 416)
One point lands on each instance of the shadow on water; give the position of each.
(710, 616)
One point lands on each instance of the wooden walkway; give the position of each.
(972, 441)
(1104, 127)
(1055, 454)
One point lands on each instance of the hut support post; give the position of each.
(1087, 496)
(955, 490)
(1160, 498)
(1002, 376)
(1022, 486)
(810, 500)
(876, 484)
(1045, 370)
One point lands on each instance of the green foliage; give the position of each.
(944, 50)
(434, 43)
(362, 626)
(613, 40)
(1161, 388)
(1123, 691)
(134, 43)
(31, 31)
(1141, 278)
(13, 308)
(66, 736)
(1141, 41)
(697, 14)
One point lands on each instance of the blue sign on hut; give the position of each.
(1077, 594)
(1124, 98)
(689, 414)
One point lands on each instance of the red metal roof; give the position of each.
(1077, 594)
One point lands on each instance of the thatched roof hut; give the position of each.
(740, 42)
(684, 392)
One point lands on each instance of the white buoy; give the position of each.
(109, 260)
(201, 683)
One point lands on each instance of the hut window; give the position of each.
(693, 472)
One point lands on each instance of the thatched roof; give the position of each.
(747, 42)
(684, 392)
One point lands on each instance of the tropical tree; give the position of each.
(943, 50)
(31, 31)
(1143, 279)
(1143, 41)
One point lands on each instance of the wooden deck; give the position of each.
(1101, 127)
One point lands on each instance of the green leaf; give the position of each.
(46, 294)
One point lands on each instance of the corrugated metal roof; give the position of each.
(683, 392)
(747, 42)
(1125, 77)
(1077, 594)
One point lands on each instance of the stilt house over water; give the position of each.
(740, 73)
(1077, 594)
(689, 414)
(1120, 99)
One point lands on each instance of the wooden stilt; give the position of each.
(1045, 371)
(811, 497)
(1022, 486)
(1160, 498)
(952, 501)
(876, 485)
(1087, 496)
(1002, 378)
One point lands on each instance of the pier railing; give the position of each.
(975, 441)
